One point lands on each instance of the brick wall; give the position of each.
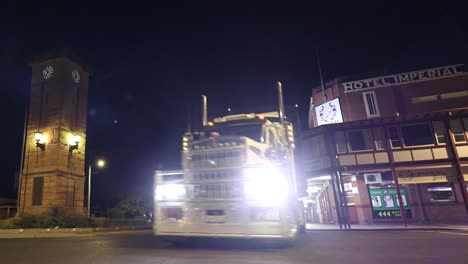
(58, 109)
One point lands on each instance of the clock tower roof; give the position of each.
(68, 53)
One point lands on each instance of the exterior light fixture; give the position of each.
(101, 163)
(210, 123)
(290, 134)
(185, 143)
(74, 142)
(38, 138)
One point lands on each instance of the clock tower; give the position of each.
(53, 165)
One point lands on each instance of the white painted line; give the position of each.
(454, 233)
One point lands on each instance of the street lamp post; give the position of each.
(100, 164)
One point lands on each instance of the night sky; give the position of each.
(153, 62)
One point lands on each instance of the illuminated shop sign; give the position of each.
(329, 113)
(404, 78)
(385, 203)
(432, 175)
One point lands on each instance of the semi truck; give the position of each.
(237, 179)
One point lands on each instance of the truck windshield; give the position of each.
(250, 130)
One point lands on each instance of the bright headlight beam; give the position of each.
(267, 186)
(170, 191)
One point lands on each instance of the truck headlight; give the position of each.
(265, 186)
(170, 191)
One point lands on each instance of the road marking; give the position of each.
(454, 233)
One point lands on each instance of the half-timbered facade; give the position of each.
(404, 145)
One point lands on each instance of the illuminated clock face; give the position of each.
(76, 76)
(328, 113)
(47, 72)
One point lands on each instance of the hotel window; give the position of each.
(458, 131)
(316, 147)
(378, 138)
(439, 132)
(465, 123)
(340, 142)
(319, 146)
(38, 189)
(417, 135)
(394, 137)
(370, 101)
(441, 194)
(360, 140)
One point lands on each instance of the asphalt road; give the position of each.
(315, 247)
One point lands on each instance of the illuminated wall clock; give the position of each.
(76, 76)
(47, 72)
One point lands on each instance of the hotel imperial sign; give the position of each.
(404, 78)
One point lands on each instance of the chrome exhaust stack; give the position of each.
(280, 102)
(205, 111)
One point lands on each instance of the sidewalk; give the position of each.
(389, 227)
(70, 232)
